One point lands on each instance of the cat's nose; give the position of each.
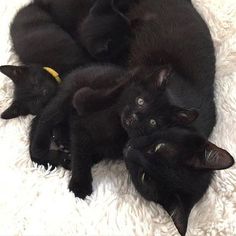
(132, 119)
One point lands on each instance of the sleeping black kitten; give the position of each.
(37, 39)
(174, 168)
(71, 16)
(100, 135)
(105, 32)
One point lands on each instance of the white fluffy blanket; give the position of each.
(36, 202)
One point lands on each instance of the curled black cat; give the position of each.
(37, 39)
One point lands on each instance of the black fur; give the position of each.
(106, 31)
(98, 135)
(34, 88)
(38, 40)
(174, 168)
(172, 32)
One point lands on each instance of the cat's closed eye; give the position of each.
(145, 178)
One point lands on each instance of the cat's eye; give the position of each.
(153, 123)
(159, 146)
(145, 178)
(140, 101)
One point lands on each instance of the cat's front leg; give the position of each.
(82, 161)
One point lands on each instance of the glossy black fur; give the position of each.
(106, 32)
(34, 87)
(92, 138)
(99, 134)
(172, 32)
(174, 168)
(37, 39)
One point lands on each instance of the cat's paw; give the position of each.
(80, 189)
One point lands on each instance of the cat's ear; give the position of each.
(214, 158)
(120, 7)
(159, 76)
(15, 73)
(178, 212)
(11, 112)
(185, 116)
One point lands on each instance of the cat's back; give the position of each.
(67, 13)
(172, 31)
(38, 40)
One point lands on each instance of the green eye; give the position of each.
(153, 123)
(140, 101)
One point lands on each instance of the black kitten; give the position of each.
(37, 39)
(99, 135)
(34, 88)
(106, 31)
(112, 31)
(67, 14)
(174, 168)
(172, 32)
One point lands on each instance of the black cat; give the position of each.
(34, 87)
(172, 32)
(66, 14)
(100, 134)
(174, 167)
(72, 17)
(106, 31)
(37, 39)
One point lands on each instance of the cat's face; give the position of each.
(104, 33)
(145, 106)
(174, 168)
(34, 87)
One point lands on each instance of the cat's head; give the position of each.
(174, 168)
(145, 106)
(33, 88)
(105, 31)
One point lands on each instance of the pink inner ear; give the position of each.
(163, 76)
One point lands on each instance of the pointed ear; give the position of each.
(185, 116)
(215, 158)
(11, 112)
(178, 213)
(15, 73)
(159, 76)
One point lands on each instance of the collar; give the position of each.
(53, 73)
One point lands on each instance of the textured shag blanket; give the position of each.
(34, 201)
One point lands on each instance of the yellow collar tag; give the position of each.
(53, 73)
